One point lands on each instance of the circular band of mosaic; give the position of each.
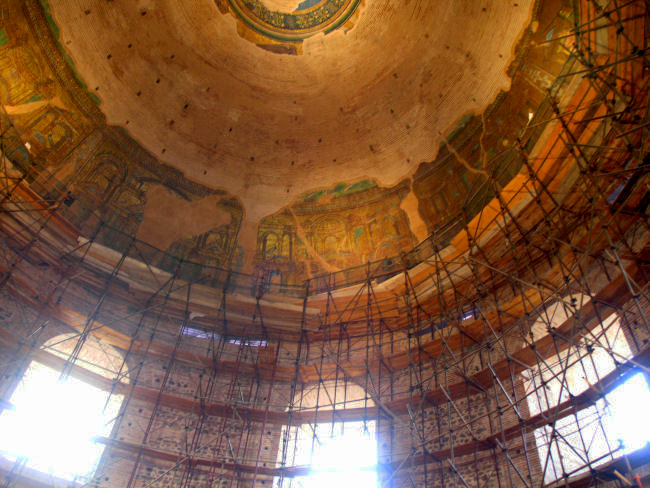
(311, 17)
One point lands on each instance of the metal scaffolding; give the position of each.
(483, 357)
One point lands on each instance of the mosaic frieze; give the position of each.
(327, 230)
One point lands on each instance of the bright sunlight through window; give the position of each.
(628, 406)
(54, 423)
(344, 456)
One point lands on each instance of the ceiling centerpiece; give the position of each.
(281, 26)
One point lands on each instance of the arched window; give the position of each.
(575, 439)
(53, 423)
(337, 453)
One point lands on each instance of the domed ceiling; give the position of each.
(309, 135)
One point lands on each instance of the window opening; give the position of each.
(54, 424)
(627, 410)
(601, 432)
(205, 334)
(340, 455)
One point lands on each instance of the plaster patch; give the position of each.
(168, 218)
(410, 205)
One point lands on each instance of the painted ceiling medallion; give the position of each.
(267, 24)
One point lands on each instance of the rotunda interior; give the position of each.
(317, 243)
